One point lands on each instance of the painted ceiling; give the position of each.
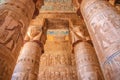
(58, 6)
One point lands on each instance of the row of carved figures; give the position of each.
(57, 64)
(57, 59)
(58, 73)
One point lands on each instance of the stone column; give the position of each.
(15, 16)
(103, 23)
(87, 63)
(88, 67)
(27, 66)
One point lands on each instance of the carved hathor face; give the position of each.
(34, 31)
(79, 29)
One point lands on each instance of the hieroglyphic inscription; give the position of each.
(28, 62)
(87, 63)
(57, 63)
(103, 22)
(112, 66)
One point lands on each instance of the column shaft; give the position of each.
(103, 23)
(27, 66)
(15, 16)
(28, 63)
(88, 67)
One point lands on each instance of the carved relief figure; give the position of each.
(79, 33)
(34, 33)
(37, 34)
(104, 35)
(104, 24)
(112, 66)
(10, 30)
(58, 65)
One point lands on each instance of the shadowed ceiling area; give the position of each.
(57, 23)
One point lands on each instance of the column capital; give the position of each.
(79, 34)
(36, 34)
(38, 4)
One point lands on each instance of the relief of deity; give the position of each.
(34, 33)
(106, 34)
(79, 33)
(10, 30)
